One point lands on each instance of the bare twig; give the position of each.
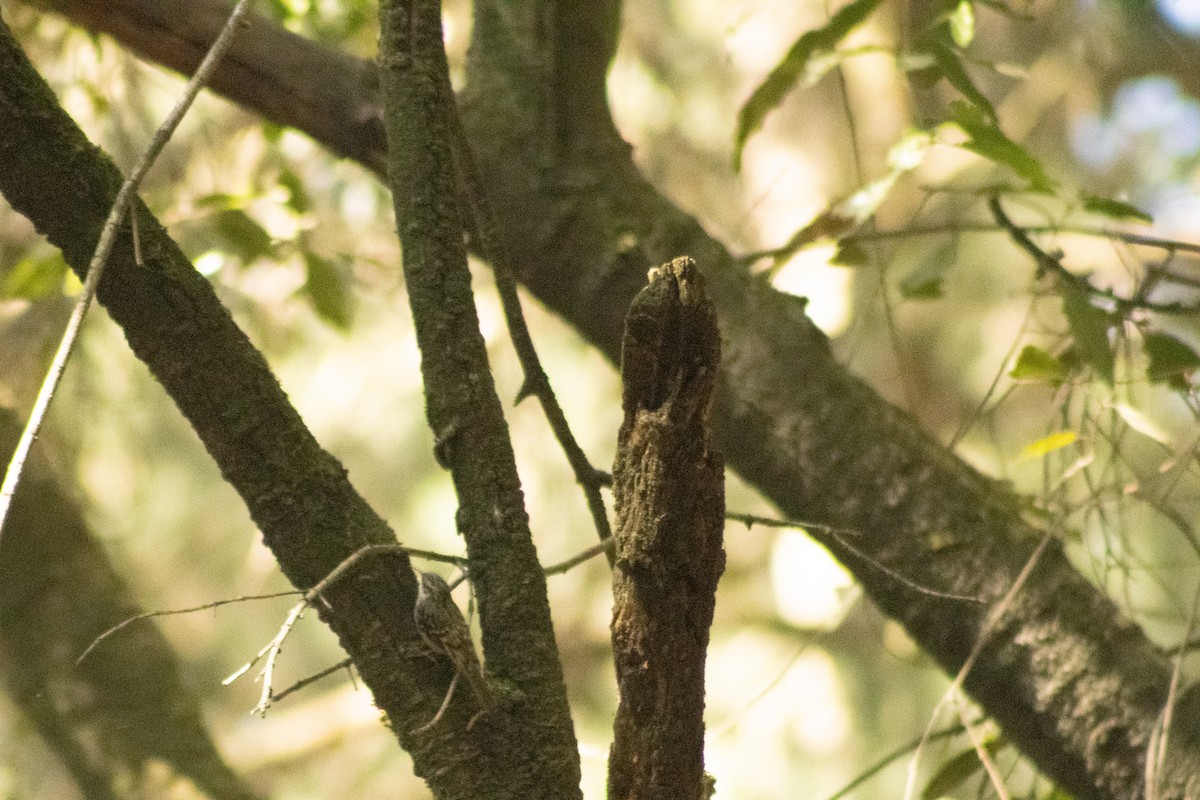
(151, 614)
(881, 764)
(1160, 736)
(108, 236)
(428, 555)
(985, 631)
(607, 546)
(272, 649)
(442, 708)
(1052, 264)
(838, 535)
(486, 230)
(981, 752)
(345, 664)
(1170, 245)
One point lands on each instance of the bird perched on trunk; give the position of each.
(445, 632)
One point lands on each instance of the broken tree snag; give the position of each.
(669, 487)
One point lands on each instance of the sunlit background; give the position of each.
(808, 685)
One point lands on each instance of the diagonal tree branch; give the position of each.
(297, 494)
(1075, 685)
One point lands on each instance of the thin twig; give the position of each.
(104, 247)
(1170, 245)
(955, 228)
(431, 555)
(151, 614)
(981, 752)
(442, 708)
(272, 649)
(345, 664)
(717, 731)
(881, 764)
(984, 632)
(1052, 264)
(1161, 734)
(603, 547)
(838, 535)
(428, 555)
(750, 520)
(482, 217)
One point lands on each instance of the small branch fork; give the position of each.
(485, 229)
(1047, 263)
(108, 237)
(271, 650)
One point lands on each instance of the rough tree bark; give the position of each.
(1075, 685)
(298, 495)
(533, 729)
(669, 488)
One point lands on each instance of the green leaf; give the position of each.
(1114, 209)
(925, 282)
(298, 199)
(242, 234)
(1171, 360)
(829, 224)
(1089, 329)
(962, 23)
(1035, 364)
(1142, 423)
(1048, 444)
(34, 278)
(951, 68)
(987, 140)
(220, 201)
(796, 63)
(850, 254)
(952, 774)
(327, 288)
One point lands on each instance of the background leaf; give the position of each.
(1171, 360)
(34, 278)
(987, 140)
(1035, 364)
(327, 287)
(1089, 328)
(1114, 209)
(787, 73)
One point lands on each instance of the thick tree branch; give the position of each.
(526, 749)
(298, 494)
(336, 102)
(1076, 686)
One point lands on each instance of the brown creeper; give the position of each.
(445, 632)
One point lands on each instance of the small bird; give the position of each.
(445, 632)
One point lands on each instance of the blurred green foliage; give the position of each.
(927, 297)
